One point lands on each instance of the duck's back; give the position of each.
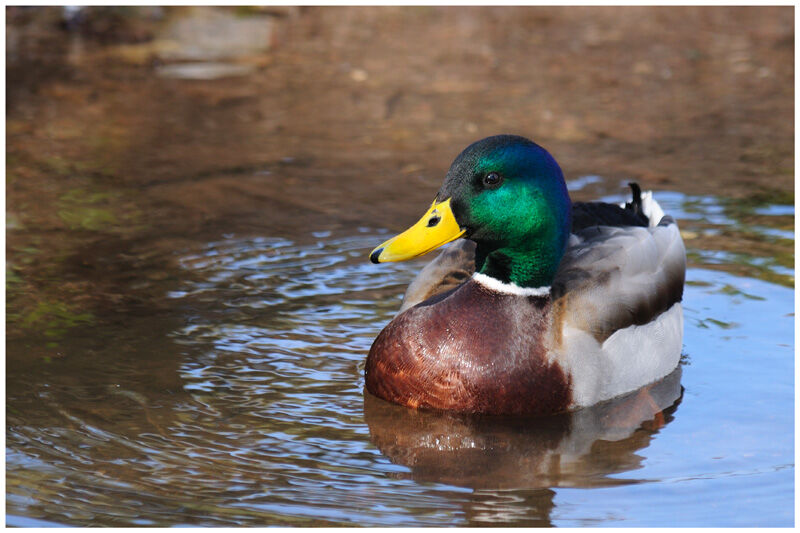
(615, 277)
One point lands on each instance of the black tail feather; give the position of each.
(635, 204)
(588, 214)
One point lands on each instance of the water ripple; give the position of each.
(259, 415)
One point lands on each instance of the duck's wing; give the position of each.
(452, 267)
(614, 277)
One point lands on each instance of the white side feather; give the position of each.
(629, 359)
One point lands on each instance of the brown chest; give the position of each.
(470, 350)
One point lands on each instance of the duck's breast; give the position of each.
(470, 350)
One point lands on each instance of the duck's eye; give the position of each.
(492, 180)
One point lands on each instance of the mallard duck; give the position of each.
(543, 306)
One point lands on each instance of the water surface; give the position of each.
(247, 408)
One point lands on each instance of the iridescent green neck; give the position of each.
(522, 231)
(534, 266)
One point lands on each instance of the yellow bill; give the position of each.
(437, 227)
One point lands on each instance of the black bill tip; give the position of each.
(374, 255)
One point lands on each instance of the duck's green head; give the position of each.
(508, 195)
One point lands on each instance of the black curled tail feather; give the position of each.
(589, 214)
(635, 205)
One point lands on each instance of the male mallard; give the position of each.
(569, 304)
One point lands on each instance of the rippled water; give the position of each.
(245, 405)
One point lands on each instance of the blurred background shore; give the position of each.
(133, 131)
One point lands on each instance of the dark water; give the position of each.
(246, 407)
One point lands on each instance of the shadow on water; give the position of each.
(580, 449)
(513, 463)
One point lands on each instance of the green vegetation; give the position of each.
(54, 318)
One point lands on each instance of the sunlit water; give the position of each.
(247, 407)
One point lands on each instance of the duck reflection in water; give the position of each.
(493, 454)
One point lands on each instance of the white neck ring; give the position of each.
(509, 288)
